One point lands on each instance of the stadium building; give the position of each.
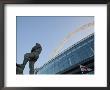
(77, 59)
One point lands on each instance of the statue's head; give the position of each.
(38, 45)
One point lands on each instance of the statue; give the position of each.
(31, 57)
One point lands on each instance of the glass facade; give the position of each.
(73, 55)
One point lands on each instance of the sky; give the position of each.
(49, 31)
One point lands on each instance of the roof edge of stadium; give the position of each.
(67, 49)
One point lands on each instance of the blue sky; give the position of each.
(49, 31)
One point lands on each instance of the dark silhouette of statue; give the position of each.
(19, 70)
(31, 57)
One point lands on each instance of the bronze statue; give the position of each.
(31, 57)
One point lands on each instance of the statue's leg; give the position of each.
(26, 59)
(31, 66)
